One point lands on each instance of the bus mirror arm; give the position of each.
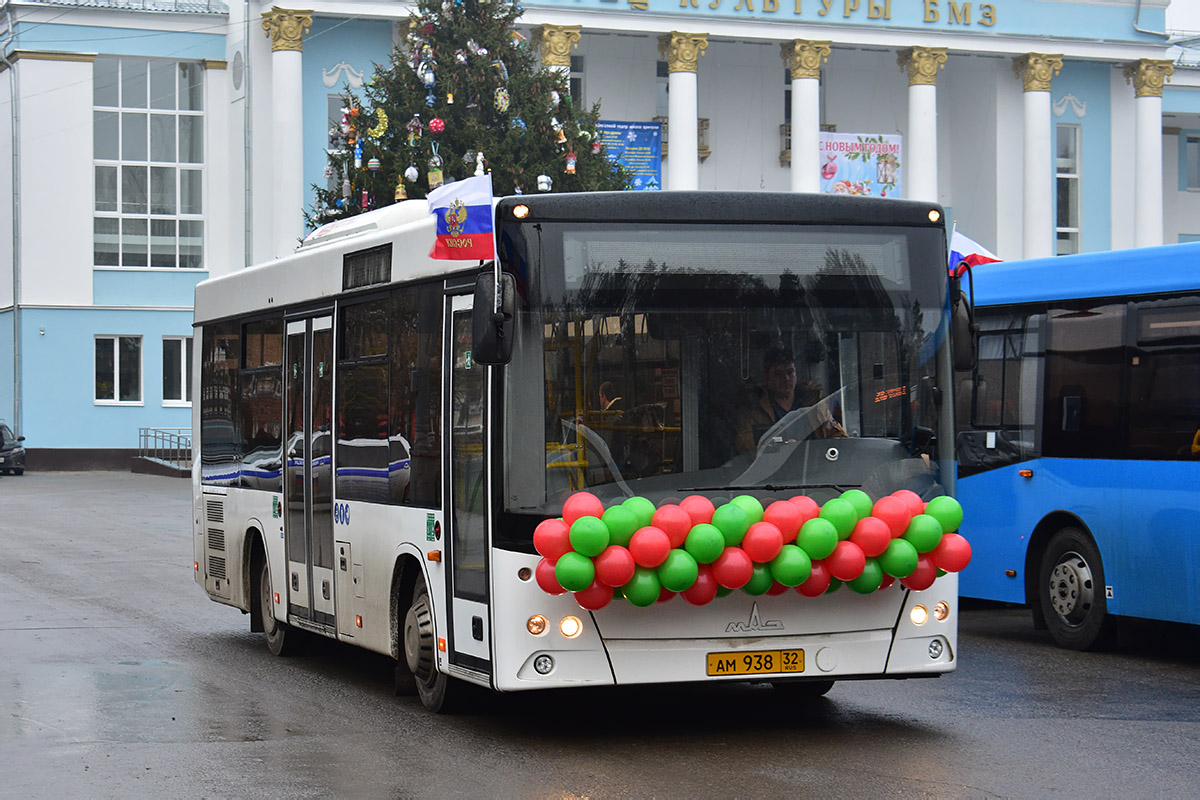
(492, 322)
(963, 328)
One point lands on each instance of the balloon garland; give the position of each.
(648, 554)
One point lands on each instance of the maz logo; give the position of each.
(755, 623)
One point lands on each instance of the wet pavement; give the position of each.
(119, 678)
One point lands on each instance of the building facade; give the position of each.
(153, 143)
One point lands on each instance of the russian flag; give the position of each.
(463, 211)
(967, 253)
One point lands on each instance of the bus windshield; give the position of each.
(667, 359)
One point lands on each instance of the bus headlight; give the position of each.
(941, 611)
(919, 615)
(570, 627)
(536, 624)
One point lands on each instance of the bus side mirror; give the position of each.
(492, 329)
(962, 328)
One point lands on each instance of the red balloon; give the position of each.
(953, 553)
(650, 546)
(818, 581)
(762, 542)
(809, 508)
(923, 576)
(911, 500)
(595, 597)
(847, 561)
(544, 575)
(733, 568)
(673, 521)
(887, 581)
(704, 589)
(552, 538)
(777, 588)
(872, 535)
(894, 512)
(785, 516)
(664, 595)
(615, 566)
(698, 507)
(582, 504)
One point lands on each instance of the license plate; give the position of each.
(758, 662)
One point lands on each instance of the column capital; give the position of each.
(286, 27)
(1148, 76)
(555, 42)
(1036, 70)
(923, 64)
(683, 50)
(804, 57)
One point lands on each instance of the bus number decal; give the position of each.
(341, 513)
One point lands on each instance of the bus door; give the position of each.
(308, 527)
(466, 503)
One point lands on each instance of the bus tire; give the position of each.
(1071, 591)
(802, 690)
(433, 687)
(282, 639)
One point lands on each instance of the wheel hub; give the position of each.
(1071, 588)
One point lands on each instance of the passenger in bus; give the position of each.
(609, 400)
(780, 394)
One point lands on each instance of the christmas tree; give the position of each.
(462, 94)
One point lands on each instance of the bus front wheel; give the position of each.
(1071, 591)
(433, 687)
(282, 639)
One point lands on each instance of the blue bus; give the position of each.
(1078, 439)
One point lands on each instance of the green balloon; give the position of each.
(733, 522)
(705, 543)
(924, 532)
(870, 579)
(792, 566)
(589, 536)
(621, 523)
(643, 588)
(817, 537)
(574, 572)
(723, 591)
(751, 505)
(642, 508)
(834, 585)
(860, 500)
(947, 512)
(899, 560)
(679, 571)
(760, 580)
(842, 514)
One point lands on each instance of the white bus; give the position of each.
(375, 457)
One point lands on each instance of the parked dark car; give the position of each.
(12, 452)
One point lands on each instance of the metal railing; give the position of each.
(170, 446)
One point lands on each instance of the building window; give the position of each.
(1192, 161)
(577, 80)
(148, 149)
(118, 369)
(662, 86)
(177, 371)
(1067, 178)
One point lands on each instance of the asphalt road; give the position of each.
(119, 678)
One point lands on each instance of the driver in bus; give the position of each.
(780, 394)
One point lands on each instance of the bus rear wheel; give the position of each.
(1071, 592)
(433, 687)
(282, 639)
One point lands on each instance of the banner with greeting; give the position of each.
(861, 163)
(636, 146)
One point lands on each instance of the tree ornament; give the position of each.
(469, 157)
(365, 203)
(401, 192)
(502, 99)
(415, 128)
(596, 147)
(437, 125)
(460, 58)
(570, 170)
(479, 159)
(380, 126)
(516, 40)
(544, 183)
(411, 173)
(373, 165)
(475, 49)
(517, 189)
(555, 99)
(328, 171)
(519, 125)
(558, 128)
(358, 155)
(346, 187)
(345, 126)
(449, 98)
(435, 167)
(501, 70)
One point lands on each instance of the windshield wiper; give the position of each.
(771, 487)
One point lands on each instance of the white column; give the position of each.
(1036, 70)
(555, 43)
(804, 59)
(286, 28)
(683, 51)
(920, 172)
(1148, 77)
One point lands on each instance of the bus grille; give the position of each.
(216, 540)
(216, 567)
(215, 511)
